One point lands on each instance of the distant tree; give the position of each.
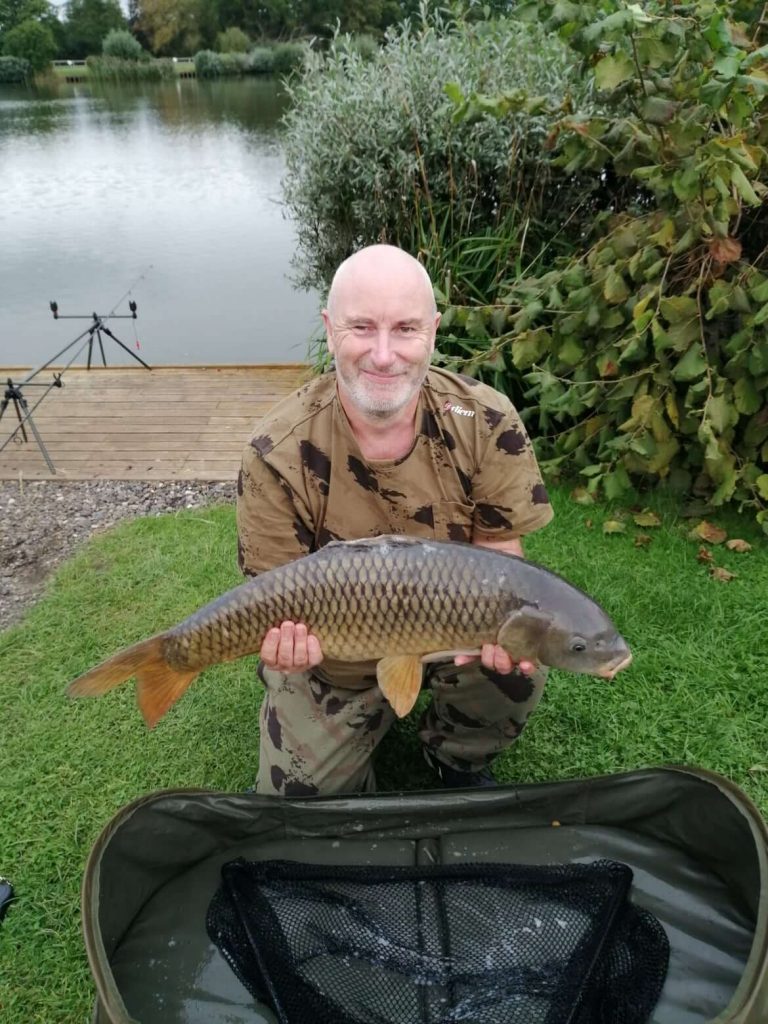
(13, 12)
(233, 40)
(119, 42)
(88, 23)
(174, 27)
(32, 41)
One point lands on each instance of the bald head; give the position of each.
(378, 270)
(381, 323)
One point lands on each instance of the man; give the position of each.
(384, 444)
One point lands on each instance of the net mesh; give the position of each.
(479, 943)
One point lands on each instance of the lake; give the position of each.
(168, 195)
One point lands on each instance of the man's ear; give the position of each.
(328, 330)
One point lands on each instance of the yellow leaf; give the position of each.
(582, 496)
(709, 532)
(646, 518)
(717, 572)
(737, 544)
(614, 526)
(670, 404)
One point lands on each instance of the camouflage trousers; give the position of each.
(318, 737)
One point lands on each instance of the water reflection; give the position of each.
(101, 182)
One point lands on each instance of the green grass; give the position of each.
(696, 694)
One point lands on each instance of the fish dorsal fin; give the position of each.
(399, 680)
(521, 634)
(383, 540)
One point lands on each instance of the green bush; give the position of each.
(233, 40)
(373, 150)
(234, 63)
(288, 56)
(115, 69)
(31, 41)
(645, 355)
(262, 60)
(119, 42)
(208, 64)
(15, 69)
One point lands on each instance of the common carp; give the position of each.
(397, 599)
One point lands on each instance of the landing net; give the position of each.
(478, 944)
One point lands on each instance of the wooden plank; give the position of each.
(175, 423)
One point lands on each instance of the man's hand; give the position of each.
(496, 659)
(291, 648)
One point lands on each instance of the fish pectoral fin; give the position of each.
(521, 633)
(399, 680)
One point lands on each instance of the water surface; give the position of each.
(168, 191)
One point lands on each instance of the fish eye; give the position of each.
(578, 646)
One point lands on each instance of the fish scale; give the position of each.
(382, 598)
(392, 599)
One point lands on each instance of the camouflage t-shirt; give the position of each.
(470, 475)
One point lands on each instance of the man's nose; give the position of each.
(382, 353)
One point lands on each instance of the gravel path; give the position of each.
(42, 523)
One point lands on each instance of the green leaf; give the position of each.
(727, 67)
(746, 398)
(743, 187)
(610, 72)
(615, 289)
(691, 366)
(616, 483)
(679, 308)
(529, 347)
(722, 414)
(762, 486)
(571, 352)
(454, 93)
(657, 110)
(761, 316)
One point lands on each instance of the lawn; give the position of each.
(696, 693)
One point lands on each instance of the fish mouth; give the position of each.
(616, 666)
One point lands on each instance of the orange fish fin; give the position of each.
(159, 684)
(158, 688)
(399, 680)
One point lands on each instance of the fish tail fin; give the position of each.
(159, 685)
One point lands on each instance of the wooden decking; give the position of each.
(121, 423)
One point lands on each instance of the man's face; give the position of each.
(381, 333)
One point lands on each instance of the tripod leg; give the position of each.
(33, 428)
(137, 358)
(20, 418)
(90, 350)
(101, 347)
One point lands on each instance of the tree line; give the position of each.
(39, 32)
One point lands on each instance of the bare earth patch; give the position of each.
(44, 522)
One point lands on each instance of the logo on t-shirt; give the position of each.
(449, 407)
